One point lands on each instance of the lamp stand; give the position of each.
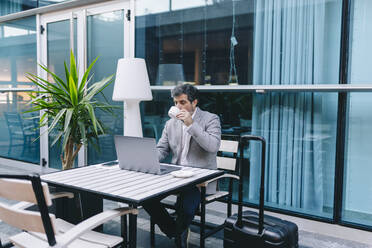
(132, 118)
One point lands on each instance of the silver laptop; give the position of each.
(140, 154)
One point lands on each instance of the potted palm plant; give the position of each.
(69, 108)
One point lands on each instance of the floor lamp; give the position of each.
(132, 85)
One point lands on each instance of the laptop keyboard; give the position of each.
(165, 167)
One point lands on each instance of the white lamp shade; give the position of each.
(132, 81)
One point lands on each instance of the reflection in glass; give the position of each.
(144, 7)
(25, 65)
(49, 2)
(300, 130)
(105, 34)
(357, 180)
(234, 110)
(301, 133)
(181, 4)
(58, 44)
(5, 70)
(14, 6)
(258, 42)
(216, 41)
(19, 130)
(213, 41)
(170, 74)
(17, 56)
(17, 50)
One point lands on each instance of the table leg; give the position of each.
(132, 230)
(124, 230)
(91, 205)
(202, 217)
(152, 232)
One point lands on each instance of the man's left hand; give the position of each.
(185, 116)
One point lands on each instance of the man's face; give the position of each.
(183, 103)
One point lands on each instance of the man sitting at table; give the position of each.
(193, 138)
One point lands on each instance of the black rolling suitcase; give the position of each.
(249, 229)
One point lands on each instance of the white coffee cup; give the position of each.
(173, 112)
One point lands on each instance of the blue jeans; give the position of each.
(186, 206)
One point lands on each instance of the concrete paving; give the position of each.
(312, 234)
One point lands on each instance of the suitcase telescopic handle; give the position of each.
(243, 142)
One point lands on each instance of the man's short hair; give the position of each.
(187, 89)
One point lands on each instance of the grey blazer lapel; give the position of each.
(197, 115)
(197, 119)
(179, 132)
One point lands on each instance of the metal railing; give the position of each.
(4, 90)
(280, 88)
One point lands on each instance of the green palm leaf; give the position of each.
(68, 117)
(85, 76)
(98, 87)
(73, 69)
(73, 91)
(57, 79)
(92, 116)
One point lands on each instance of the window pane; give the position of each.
(300, 131)
(105, 39)
(49, 2)
(19, 130)
(357, 182)
(58, 39)
(234, 110)
(192, 42)
(17, 56)
(263, 43)
(218, 42)
(5, 70)
(17, 51)
(14, 6)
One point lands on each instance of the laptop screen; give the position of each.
(137, 154)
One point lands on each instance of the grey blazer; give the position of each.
(204, 143)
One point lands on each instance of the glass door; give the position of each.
(93, 31)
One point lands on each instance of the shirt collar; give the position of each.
(193, 115)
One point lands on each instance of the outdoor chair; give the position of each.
(150, 131)
(19, 134)
(42, 229)
(227, 161)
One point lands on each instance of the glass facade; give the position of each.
(18, 130)
(58, 43)
(257, 43)
(357, 183)
(300, 131)
(198, 42)
(234, 110)
(226, 42)
(14, 6)
(109, 49)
